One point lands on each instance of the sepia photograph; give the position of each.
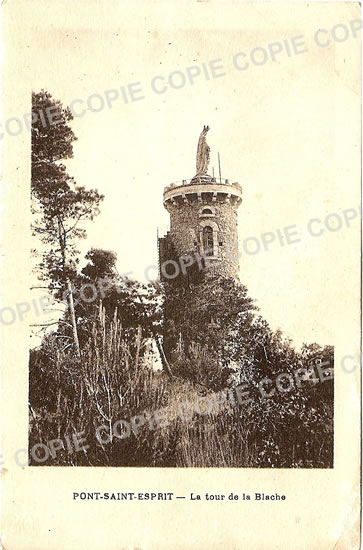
(182, 370)
(181, 275)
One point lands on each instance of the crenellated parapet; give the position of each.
(203, 189)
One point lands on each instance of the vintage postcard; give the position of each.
(180, 275)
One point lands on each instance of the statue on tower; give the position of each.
(203, 153)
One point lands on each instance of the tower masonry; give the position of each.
(203, 219)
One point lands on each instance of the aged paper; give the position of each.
(253, 112)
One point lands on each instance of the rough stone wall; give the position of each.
(185, 232)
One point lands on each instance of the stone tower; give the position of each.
(203, 220)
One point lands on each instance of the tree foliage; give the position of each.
(59, 205)
(137, 306)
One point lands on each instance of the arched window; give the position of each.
(208, 240)
(207, 211)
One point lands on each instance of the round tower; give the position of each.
(203, 218)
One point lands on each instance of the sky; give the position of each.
(282, 128)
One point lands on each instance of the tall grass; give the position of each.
(70, 396)
(109, 383)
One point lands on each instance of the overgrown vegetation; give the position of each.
(109, 383)
(95, 375)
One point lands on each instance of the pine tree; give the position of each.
(58, 204)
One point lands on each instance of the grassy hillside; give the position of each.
(127, 414)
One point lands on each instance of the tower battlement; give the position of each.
(203, 189)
